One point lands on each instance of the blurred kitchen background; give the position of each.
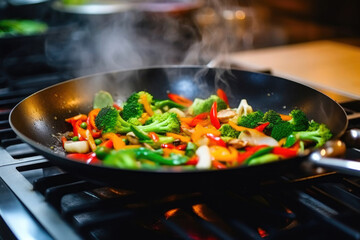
(87, 36)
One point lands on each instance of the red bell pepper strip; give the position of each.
(218, 165)
(213, 116)
(180, 99)
(261, 127)
(153, 136)
(168, 145)
(198, 118)
(63, 140)
(243, 156)
(285, 152)
(107, 143)
(117, 106)
(214, 140)
(221, 94)
(181, 147)
(89, 158)
(193, 160)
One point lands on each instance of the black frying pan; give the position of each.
(40, 116)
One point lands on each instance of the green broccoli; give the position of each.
(227, 131)
(319, 135)
(251, 120)
(109, 120)
(204, 105)
(162, 123)
(132, 107)
(282, 130)
(272, 117)
(313, 125)
(299, 120)
(134, 121)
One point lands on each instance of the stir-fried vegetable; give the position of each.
(145, 133)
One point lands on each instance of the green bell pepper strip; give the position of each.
(269, 157)
(168, 103)
(140, 133)
(127, 158)
(259, 153)
(290, 140)
(190, 149)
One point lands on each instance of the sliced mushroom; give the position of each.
(132, 138)
(225, 115)
(237, 143)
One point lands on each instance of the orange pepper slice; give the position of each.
(238, 128)
(223, 154)
(143, 100)
(178, 136)
(81, 117)
(117, 141)
(201, 131)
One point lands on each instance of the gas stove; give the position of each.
(41, 201)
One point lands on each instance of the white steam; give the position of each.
(137, 39)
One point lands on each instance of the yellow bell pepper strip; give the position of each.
(285, 117)
(144, 101)
(239, 128)
(117, 141)
(224, 154)
(213, 116)
(221, 94)
(180, 99)
(143, 118)
(201, 131)
(178, 136)
(90, 140)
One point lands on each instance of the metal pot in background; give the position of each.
(121, 34)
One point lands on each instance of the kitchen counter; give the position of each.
(331, 67)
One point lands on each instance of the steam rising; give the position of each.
(135, 39)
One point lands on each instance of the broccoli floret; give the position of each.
(313, 125)
(134, 121)
(227, 131)
(109, 120)
(162, 123)
(282, 130)
(132, 108)
(319, 135)
(204, 105)
(299, 120)
(272, 117)
(251, 120)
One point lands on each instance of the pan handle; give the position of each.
(327, 157)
